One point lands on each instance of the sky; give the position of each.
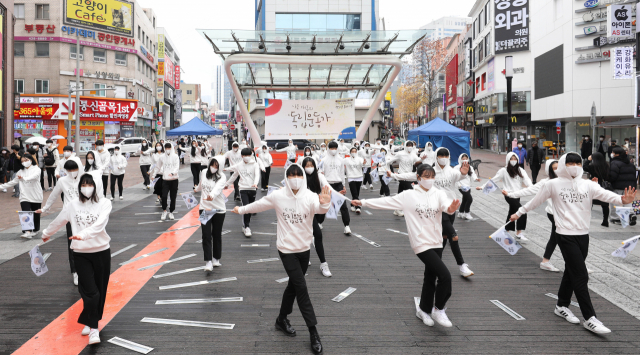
(182, 18)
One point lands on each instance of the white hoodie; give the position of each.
(295, 213)
(366, 153)
(267, 159)
(301, 157)
(353, 166)
(534, 189)
(213, 188)
(291, 151)
(30, 189)
(406, 161)
(511, 184)
(68, 186)
(88, 221)
(422, 212)
(103, 158)
(145, 156)
(233, 157)
(118, 164)
(169, 165)
(333, 167)
(466, 179)
(155, 157)
(249, 175)
(63, 160)
(429, 155)
(572, 199)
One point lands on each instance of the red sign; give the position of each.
(108, 109)
(460, 101)
(558, 129)
(459, 111)
(451, 81)
(233, 126)
(177, 77)
(40, 28)
(39, 111)
(169, 72)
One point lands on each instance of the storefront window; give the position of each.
(494, 103)
(519, 101)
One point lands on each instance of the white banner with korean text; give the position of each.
(622, 62)
(310, 119)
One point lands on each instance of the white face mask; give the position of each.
(601, 139)
(574, 171)
(235, 150)
(26, 164)
(246, 159)
(353, 154)
(90, 161)
(429, 148)
(410, 149)
(427, 183)
(159, 149)
(168, 152)
(144, 144)
(378, 142)
(310, 170)
(333, 152)
(513, 162)
(443, 161)
(74, 174)
(117, 152)
(87, 191)
(49, 145)
(323, 149)
(100, 148)
(213, 170)
(290, 144)
(519, 145)
(306, 154)
(67, 154)
(295, 183)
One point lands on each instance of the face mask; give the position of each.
(290, 144)
(333, 152)
(519, 145)
(310, 170)
(353, 155)
(87, 191)
(443, 161)
(427, 183)
(513, 162)
(67, 154)
(295, 183)
(213, 170)
(246, 159)
(574, 171)
(117, 152)
(26, 164)
(378, 142)
(601, 139)
(100, 148)
(49, 145)
(429, 148)
(144, 144)
(159, 149)
(90, 161)
(323, 149)
(306, 154)
(235, 150)
(194, 145)
(73, 174)
(168, 152)
(410, 149)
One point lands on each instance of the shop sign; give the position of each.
(593, 57)
(622, 65)
(591, 3)
(113, 16)
(459, 101)
(603, 40)
(29, 124)
(169, 70)
(160, 94)
(160, 68)
(146, 54)
(39, 28)
(177, 77)
(618, 21)
(160, 46)
(511, 26)
(39, 111)
(106, 109)
(459, 111)
(27, 100)
(100, 36)
(48, 100)
(130, 94)
(106, 75)
(49, 125)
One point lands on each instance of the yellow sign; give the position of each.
(70, 116)
(547, 144)
(92, 92)
(114, 16)
(469, 109)
(514, 119)
(160, 47)
(160, 82)
(388, 96)
(160, 68)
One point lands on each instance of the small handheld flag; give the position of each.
(189, 200)
(37, 262)
(26, 220)
(506, 241)
(625, 214)
(489, 187)
(626, 248)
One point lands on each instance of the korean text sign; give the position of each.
(110, 110)
(511, 26)
(309, 119)
(114, 16)
(619, 21)
(622, 62)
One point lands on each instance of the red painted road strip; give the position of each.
(62, 336)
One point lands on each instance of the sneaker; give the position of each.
(426, 318)
(358, 211)
(164, 216)
(459, 215)
(26, 235)
(94, 336)
(467, 216)
(395, 213)
(441, 317)
(238, 199)
(110, 198)
(171, 217)
(148, 187)
(75, 278)
(320, 225)
(353, 208)
(549, 267)
(86, 330)
(381, 195)
(158, 201)
(324, 267)
(208, 266)
(400, 213)
(566, 313)
(121, 198)
(596, 326)
(371, 187)
(465, 271)
(216, 263)
(144, 187)
(347, 230)
(521, 237)
(247, 232)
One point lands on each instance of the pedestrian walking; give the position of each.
(104, 160)
(267, 161)
(144, 151)
(234, 157)
(157, 187)
(51, 158)
(4, 165)
(622, 175)
(353, 168)
(383, 167)
(194, 160)
(38, 155)
(522, 155)
(212, 183)
(15, 164)
(535, 158)
(586, 149)
(610, 153)
(118, 164)
(249, 173)
(602, 147)
(464, 186)
(365, 153)
(407, 160)
(598, 169)
(334, 170)
(169, 165)
(28, 179)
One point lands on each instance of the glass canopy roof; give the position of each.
(317, 81)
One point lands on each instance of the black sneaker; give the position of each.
(316, 345)
(285, 327)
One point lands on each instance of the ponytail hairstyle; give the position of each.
(88, 166)
(313, 181)
(87, 179)
(203, 151)
(211, 176)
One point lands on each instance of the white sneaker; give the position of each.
(353, 208)
(144, 187)
(596, 326)
(468, 216)
(441, 317)
(426, 318)
(164, 216)
(121, 198)
(216, 262)
(75, 278)
(26, 235)
(395, 213)
(94, 336)
(171, 217)
(381, 195)
(566, 313)
(5, 190)
(400, 213)
(86, 330)
(459, 215)
(247, 232)
(347, 230)
(320, 225)
(324, 267)
(371, 187)
(521, 237)
(110, 198)
(549, 267)
(208, 266)
(358, 211)
(465, 271)
(158, 201)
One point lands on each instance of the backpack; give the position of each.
(49, 159)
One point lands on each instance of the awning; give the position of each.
(623, 123)
(195, 127)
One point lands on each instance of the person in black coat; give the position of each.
(586, 149)
(598, 168)
(610, 149)
(535, 158)
(602, 147)
(622, 174)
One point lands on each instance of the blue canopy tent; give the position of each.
(442, 134)
(195, 127)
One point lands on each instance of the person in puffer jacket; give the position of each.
(622, 175)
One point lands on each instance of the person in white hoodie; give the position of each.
(194, 159)
(169, 165)
(366, 153)
(118, 165)
(513, 177)
(429, 155)
(306, 153)
(343, 148)
(28, 179)
(334, 170)
(295, 208)
(234, 157)
(104, 157)
(407, 160)
(145, 151)
(158, 153)
(291, 150)
(353, 166)
(67, 154)
(212, 183)
(464, 186)
(572, 199)
(267, 161)
(383, 167)
(89, 217)
(424, 206)
(205, 157)
(249, 173)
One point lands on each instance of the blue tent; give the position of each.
(442, 134)
(195, 127)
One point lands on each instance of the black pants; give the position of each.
(32, 206)
(344, 209)
(367, 177)
(157, 188)
(51, 176)
(535, 169)
(247, 197)
(448, 232)
(264, 177)
(236, 188)
(195, 172)
(105, 184)
(434, 268)
(605, 210)
(71, 258)
(354, 187)
(202, 167)
(553, 241)
(467, 199)
(42, 178)
(114, 179)
(144, 169)
(169, 186)
(384, 188)
(404, 185)
(574, 250)
(93, 278)
(317, 237)
(296, 266)
(212, 237)
(521, 223)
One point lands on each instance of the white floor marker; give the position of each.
(143, 256)
(366, 240)
(261, 260)
(178, 272)
(264, 233)
(145, 213)
(344, 294)
(142, 349)
(508, 310)
(197, 283)
(555, 297)
(150, 222)
(201, 300)
(255, 245)
(368, 212)
(285, 279)
(178, 229)
(188, 323)
(395, 231)
(167, 262)
(123, 250)
(46, 256)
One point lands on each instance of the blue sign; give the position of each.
(558, 124)
(590, 30)
(591, 3)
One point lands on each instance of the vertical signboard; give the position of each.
(622, 62)
(178, 104)
(160, 78)
(451, 80)
(619, 20)
(490, 75)
(511, 26)
(177, 77)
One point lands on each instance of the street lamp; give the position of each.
(508, 73)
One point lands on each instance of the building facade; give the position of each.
(446, 26)
(168, 92)
(191, 101)
(6, 72)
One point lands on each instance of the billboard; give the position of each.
(310, 119)
(511, 26)
(114, 16)
(451, 80)
(169, 72)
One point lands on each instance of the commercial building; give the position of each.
(6, 72)
(446, 27)
(168, 93)
(191, 101)
(116, 62)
